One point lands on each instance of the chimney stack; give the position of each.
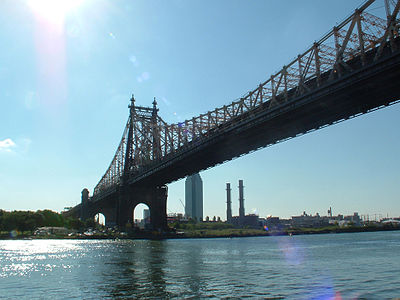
(241, 200)
(228, 203)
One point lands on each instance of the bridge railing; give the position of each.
(353, 37)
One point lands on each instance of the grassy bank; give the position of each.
(194, 230)
(207, 230)
(231, 232)
(337, 229)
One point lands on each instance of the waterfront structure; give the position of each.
(355, 219)
(306, 220)
(251, 220)
(194, 197)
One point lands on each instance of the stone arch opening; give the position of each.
(141, 216)
(100, 219)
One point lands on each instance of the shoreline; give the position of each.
(204, 234)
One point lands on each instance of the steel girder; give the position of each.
(148, 139)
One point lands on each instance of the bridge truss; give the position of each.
(357, 41)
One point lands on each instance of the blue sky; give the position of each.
(67, 73)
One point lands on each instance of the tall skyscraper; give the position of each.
(194, 197)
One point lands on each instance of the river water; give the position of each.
(348, 265)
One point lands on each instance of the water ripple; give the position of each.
(301, 267)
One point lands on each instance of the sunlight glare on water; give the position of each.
(331, 266)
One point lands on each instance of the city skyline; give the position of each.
(66, 84)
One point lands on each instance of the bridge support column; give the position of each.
(85, 213)
(111, 217)
(154, 197)
(158, 209)
(124, 214)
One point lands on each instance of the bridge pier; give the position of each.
(89, 209)
(158, 209)
(110, 215)
(85, 210)
(154, 197)
(124, 210)
(118, 208)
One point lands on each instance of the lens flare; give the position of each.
(53, 11)
(50, 40)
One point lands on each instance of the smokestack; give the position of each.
(241, 200)
(228, 203)
(330, 211)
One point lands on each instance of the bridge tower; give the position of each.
(84, 213)
(142, 146)
(123, 215)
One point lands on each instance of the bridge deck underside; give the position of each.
(372, 87)
(366, 88)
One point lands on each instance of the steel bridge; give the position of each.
(352, 70)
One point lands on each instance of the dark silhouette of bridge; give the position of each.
(352, 70)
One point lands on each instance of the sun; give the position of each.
(53, 11)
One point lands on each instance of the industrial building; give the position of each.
(274, 223)
(241, 220)
(194, 197)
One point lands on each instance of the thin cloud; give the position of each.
(7, 145)
(20, 146)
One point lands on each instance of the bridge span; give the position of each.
(352, 70)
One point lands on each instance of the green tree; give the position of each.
(74, 223)
(52, 218)
(9, 222)
(90, 223)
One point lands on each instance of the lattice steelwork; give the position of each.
(357, 41)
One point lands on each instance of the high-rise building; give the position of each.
(194, 197)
